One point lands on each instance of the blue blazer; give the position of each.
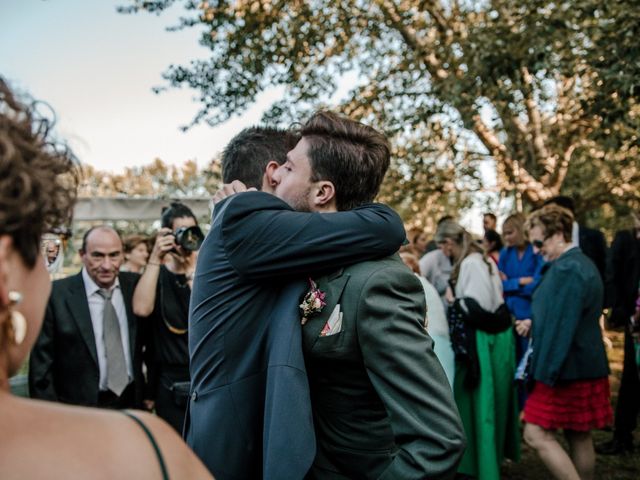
(517, 297)
(249, 415)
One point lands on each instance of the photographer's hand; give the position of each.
(165, 242)
(144, 296)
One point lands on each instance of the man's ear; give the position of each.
(324, 195)
(268, 183)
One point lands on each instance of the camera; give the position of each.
(189, 238)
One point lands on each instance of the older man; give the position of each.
(87, 352)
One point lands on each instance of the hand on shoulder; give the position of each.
(229, 189)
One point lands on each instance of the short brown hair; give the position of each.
(38, 177)
(351, 155)
(132, 241)
(552, 219)
(246, 156)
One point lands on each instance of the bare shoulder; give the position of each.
(75, 442)
(178, 457)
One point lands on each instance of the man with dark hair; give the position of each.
(248, 153)
(88, 352)
(249, 412)
(363, 338)
(366, 350)
(489, 221)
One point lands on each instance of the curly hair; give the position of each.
(552, 219)
(38, 177)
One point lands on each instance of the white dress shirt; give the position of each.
(96, 309)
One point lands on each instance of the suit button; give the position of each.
(194, 396)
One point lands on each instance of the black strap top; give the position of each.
(163, 467)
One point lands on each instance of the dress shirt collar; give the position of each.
(91, 287)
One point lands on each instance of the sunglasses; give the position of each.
(538, 244)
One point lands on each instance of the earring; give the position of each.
(18, 322)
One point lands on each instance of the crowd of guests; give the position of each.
(152, 324)
(547, 367)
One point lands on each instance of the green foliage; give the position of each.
(547, 89)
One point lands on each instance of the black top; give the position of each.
(156, 448)
(166, 329)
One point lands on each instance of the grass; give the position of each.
(608, 467)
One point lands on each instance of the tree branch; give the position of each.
(533, 189)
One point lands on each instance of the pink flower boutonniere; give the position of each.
(313, 302)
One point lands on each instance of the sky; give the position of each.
(96, 68)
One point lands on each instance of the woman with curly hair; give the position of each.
(38, 182)
(569, 363)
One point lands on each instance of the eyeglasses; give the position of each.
(538, 243)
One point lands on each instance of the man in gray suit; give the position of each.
(382, 406)
(88, 351)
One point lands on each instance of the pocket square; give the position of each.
(334, 324)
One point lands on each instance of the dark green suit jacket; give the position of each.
(381, 402)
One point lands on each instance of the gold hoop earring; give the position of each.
(18, 322)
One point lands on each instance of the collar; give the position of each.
(91, 287)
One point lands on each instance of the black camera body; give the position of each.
(189, 238)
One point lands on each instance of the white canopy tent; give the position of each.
(133, 208)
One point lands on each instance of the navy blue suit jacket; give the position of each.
(249, 415)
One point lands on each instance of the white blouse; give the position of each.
(475, 281)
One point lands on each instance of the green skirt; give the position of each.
(490, 411)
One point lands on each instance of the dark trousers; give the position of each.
(629, 393)
(171, 403)
(126, 399)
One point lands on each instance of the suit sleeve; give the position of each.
(265, 238)
(403, 368)
(41, 382)
(600, 245)
(621, 309)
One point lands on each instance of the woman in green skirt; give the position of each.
(485, 356)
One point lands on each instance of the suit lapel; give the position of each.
(127, 295)
(332, 285)
(79, 307)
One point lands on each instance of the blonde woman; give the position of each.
(485, 367)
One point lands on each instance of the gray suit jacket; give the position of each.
(382, 405)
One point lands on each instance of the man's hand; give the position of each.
(229, 189)
(523, 327)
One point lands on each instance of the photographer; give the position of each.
(162, 295)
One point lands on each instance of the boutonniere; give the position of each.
(313, 302)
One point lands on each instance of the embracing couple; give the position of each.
(308, 353)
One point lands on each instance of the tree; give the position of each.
(154, 180)
(452, 82)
